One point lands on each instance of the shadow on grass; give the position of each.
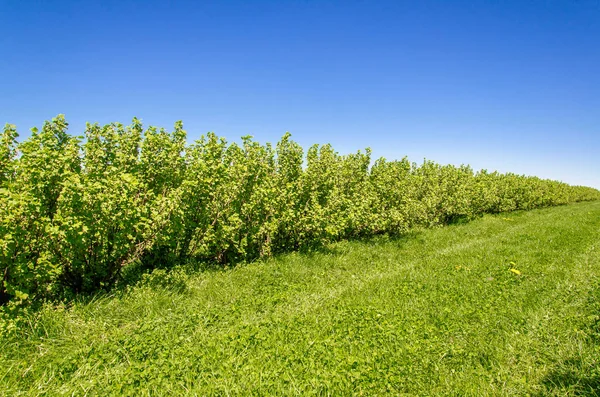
(575, 377)
(170, 274)
(337, 248)
(579, 378)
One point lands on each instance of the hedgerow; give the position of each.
(75, 211)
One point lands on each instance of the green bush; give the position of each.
(75, 211)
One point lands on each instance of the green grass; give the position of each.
(436, 312)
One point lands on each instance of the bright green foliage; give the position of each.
(74, 211)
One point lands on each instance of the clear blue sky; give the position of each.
(503, 85)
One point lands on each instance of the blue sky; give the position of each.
(502, 85)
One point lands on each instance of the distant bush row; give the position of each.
(74, 211)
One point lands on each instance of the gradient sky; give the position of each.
(502, 85)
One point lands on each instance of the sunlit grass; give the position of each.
(499, 306)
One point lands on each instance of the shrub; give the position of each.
(75, 211)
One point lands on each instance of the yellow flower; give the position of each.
(515, 271)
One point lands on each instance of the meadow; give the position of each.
(506, 304)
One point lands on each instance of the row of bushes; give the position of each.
(76, 211)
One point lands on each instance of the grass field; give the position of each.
(438, 312)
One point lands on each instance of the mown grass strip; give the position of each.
(437, 312)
